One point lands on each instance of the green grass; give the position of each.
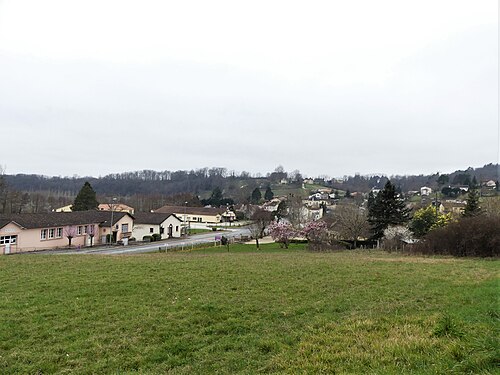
(271, 311)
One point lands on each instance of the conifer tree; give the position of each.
(86, 199)
(387, 209)
(268, 195)
(256, 196)
(472, 207)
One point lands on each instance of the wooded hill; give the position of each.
(148, 189)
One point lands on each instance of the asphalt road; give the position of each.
(185, 242)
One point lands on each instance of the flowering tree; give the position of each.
(395, 234)
(426, 219)
(91, 232)
(316, 233)
(282, 233)
(69, 233)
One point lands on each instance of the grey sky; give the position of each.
(326, 87)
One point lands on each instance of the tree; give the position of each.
(92, 232)
(425, 219)
(351, 222)
(261, 220)
(443, 179)
(395, 234)
(472, 207)
(282, 233)
(317, 235)
(281, 210)
(86, 199)
(70, 233)
(256, 196)
(387, 209)
(268, 195)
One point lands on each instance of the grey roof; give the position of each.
(152, 217)
(191, 210)
(57, 219)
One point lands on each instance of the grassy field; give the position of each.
(273, 311)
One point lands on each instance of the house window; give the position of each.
(52, 233)
(124, 228)
(194, 218)
(85, 229)
(8, 239)
(79, 230)
(176, 228)
(59, 232)
(43, 234)
(150, 230)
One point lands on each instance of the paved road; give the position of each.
(185, 242)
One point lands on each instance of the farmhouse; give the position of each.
(167, 225)
(28, 232)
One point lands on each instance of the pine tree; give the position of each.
(86, 199)
(268, 195)
(387, 209)
(472, 207)
(256, 196)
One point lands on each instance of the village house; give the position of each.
(29, 232)
(167, 225)
(424, 191)
(453, 207)
(206, 215)
(117, 207)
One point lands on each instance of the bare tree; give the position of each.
(350, 222)
(261, 220)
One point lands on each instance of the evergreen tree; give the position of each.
(268, 195)
(387, 209)
(472, 207)
(86, 199)
(256, 196)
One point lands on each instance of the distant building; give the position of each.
(64, 208)
(424, 191)
(116, 207)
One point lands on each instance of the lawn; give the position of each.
(272, 311)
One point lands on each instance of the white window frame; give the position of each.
(10, 239)
(43, 234)
(59, 233)
(52, 233)
(79, 230)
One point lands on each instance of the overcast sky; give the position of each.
(327, 87)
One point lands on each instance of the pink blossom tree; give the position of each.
(69, 233)
(316, 233)
(282, 233)
(91, 232)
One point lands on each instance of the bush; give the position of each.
(477, 236)
(156, 237)
(147, 239)
(131, 239)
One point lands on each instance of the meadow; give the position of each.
(246, 311)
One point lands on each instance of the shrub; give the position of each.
(131, 239)
(156, 237)
(477, 236)
(147, 238)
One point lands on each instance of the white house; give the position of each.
(167, 225)
(424, 191)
